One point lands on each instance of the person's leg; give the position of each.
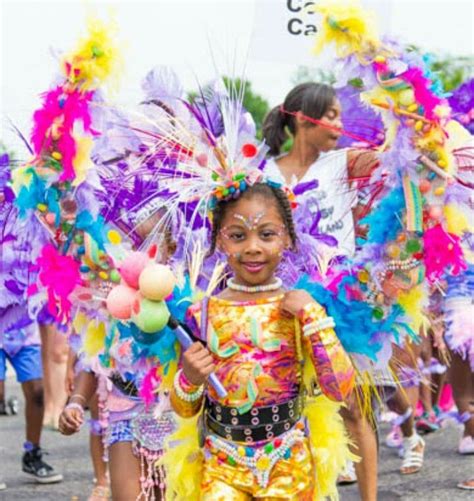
(426, 384)
(125, 473)
(365, 440)
(54, 353)
(34, 410)
(97, 447)
(404, 402)
(462, 382)
(27, 364)
(46, 331)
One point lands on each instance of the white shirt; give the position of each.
(333, 197)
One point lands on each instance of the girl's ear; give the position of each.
(300, 120)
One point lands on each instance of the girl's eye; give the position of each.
(236, 236)
(267, 234)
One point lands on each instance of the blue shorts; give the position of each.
(27, 363)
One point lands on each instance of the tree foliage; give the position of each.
(255, 104)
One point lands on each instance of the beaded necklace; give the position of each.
(251, 289)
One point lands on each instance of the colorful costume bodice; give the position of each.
(258, 352)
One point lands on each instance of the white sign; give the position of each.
(284, 31)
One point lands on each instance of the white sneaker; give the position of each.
(466, 445)
(3, 486)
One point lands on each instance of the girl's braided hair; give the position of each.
(258, 189)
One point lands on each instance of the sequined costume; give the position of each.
(125, 418)
(259, 356)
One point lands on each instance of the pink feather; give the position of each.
(60, 276)
(149, 384)
(442, 253)
(421, 87)
(64, 109)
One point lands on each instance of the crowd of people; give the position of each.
(239, 316)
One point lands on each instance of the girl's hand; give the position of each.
(294, 301)
(197, 364)
(70, 420)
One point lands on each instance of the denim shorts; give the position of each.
(26, 362)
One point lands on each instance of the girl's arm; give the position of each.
(334, 370)
(72, 417)
(360, 164)
(71, 362)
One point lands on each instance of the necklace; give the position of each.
(255, 288)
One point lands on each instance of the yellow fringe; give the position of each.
(329, 444)
(183, 460)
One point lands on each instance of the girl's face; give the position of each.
(318, 135)
(253, 236)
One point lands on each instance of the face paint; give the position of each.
(251, 223)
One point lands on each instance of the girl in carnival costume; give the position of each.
(134, 419)
(256, 444)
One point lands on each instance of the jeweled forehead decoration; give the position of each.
(252, 222)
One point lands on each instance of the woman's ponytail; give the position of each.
(311, 98)
(273, 129)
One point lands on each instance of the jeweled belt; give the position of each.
(260, 423)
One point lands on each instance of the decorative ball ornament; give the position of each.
(150, 316)
(156, 282)
(406, 97)
(120, 301)
(249, 150)
(435, 212)
(50, 218)
(425, 186)
(132, 266)
(115, 276)
(393, 251)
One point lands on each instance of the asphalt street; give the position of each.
(444, 467)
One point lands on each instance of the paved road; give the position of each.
(443, 467)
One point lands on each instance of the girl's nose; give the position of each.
(253, 245)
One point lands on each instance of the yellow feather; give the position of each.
(94, 338)
(96, 58)
(456, 221)
(329, 444)
(82, 160)
(348, 26)
(79, 322)
(414, 302)
(183, 461)
(167, 375)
